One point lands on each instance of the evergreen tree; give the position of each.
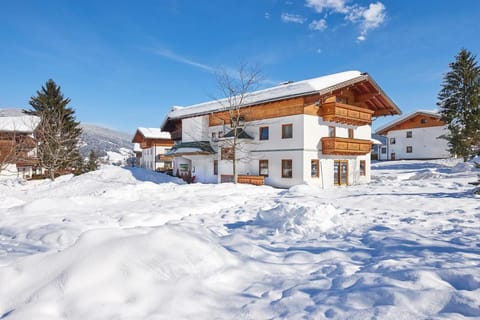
(92, 163)
(459, 105)
(58, 132)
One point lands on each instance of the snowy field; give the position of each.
(128, 244)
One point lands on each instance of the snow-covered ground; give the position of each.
(124, 243)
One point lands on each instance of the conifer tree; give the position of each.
(459, 105)
(92, 163)
(58, 132)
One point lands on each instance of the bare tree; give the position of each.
(236, 88)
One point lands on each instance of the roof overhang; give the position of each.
(362, 83)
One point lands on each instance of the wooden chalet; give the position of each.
(313, 130)
(153, 144)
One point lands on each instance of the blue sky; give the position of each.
(125, 63)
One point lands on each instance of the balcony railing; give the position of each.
(345, 146)
(345, 113)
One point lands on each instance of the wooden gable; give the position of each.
(150, 142)
(419, 120)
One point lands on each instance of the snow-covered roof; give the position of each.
(291, 89)
(154, 133)
(403, 118)
(14, 120)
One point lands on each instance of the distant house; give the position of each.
(379, 147)
(153, 144)
(17, 143)
(316, 131)
(416, 135)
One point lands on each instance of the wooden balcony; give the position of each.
(345, 146)
(345, 113)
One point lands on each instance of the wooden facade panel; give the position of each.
(418, 121)
(288, 107)
(345, 146)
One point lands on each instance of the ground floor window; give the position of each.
(286, 168)
(215, 167)
(263, 168)
(315, 169)
(409, 149)
(340, 172)
(363, 168)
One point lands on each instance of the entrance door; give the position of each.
(392, 156)
(340, 172)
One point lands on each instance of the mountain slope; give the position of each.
(103, 141)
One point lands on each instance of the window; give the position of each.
(363, 168)
(215, 167)
(409, 149)
(263, 168)
(287, 131)
(331, 131)
(220, 134)
(227, 154)
(286, 168)
(341, 99)
(315, 168)
(423, 120)
(384, 150)
(350, 133)
(392, 140)
(214, 136)
(409, 134)
(340, 172)
(263, 134)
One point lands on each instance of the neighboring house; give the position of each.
(138, 154)
(17, 143)
(313, 131)
(379, 147)
(153, 144)
(416, 135)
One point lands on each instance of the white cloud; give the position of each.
(294, 18)
(319, 25)
(374, 16)
(267, 15)
(175, 57)
(367, 18)
(334, 5)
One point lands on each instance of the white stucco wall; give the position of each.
(424, 142)
(149, 155)
(302, 148)
(195, 129)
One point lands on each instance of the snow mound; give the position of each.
(298, 219)
(426, 174)
(463, 167)
(116, 274)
